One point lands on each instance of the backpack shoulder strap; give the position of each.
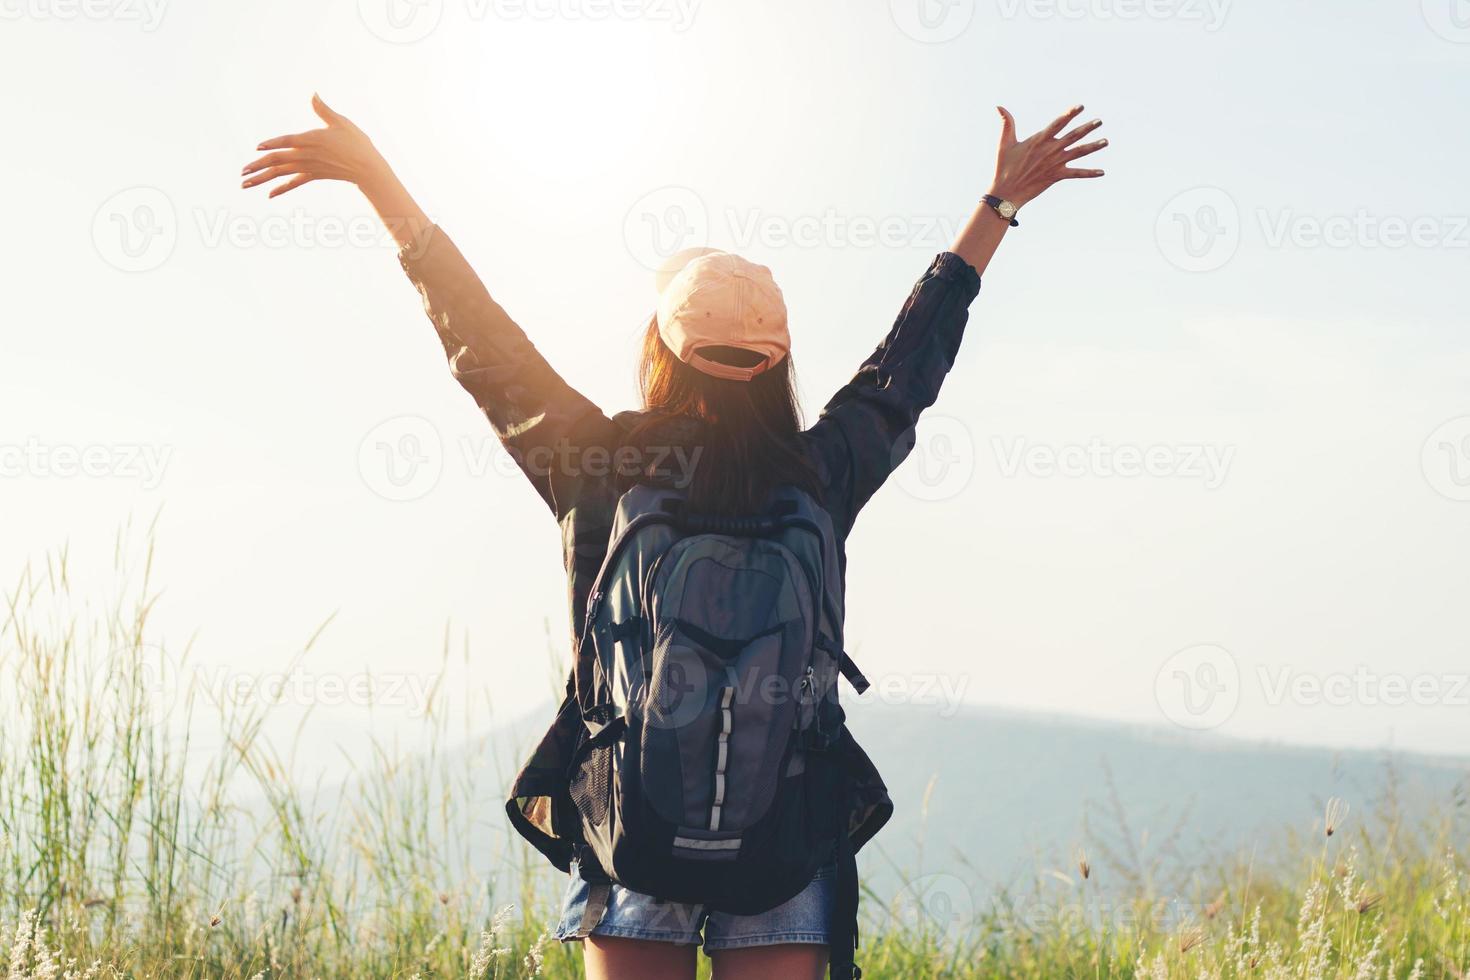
(855, 677)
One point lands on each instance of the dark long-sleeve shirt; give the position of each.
(864, 432)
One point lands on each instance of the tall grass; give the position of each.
(125, 851)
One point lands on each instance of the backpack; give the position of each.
(708, 771)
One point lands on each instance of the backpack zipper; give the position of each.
(804, 698)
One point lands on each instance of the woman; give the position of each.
(720, 420)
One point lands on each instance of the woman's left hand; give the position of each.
(340, 151)
(1026, 168)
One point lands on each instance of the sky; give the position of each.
(1204, 459)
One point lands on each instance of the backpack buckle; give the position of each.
(826, 730)
(589, 869)
(815, 740)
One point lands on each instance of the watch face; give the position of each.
(1006, 209)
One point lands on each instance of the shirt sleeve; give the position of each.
(867, 429)
(543, 422)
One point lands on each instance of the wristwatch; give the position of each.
(1004, 208)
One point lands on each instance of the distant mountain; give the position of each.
(989, 799)
(1011, 794)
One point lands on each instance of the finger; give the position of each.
(1083, 150)
(328, 115)
(1007, 126)
(291, 185)
(272, 173)
(1070, 173)
(308, 138)
(1062, 120)
(270, 160)
(1074, 135)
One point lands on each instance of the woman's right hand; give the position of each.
(340, 151)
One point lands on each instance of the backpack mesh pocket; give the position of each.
(591, 788)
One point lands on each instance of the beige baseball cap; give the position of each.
(710, 298)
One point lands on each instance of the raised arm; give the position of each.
(540, 418)
(867, 429)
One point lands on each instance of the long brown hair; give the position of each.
(746, 433)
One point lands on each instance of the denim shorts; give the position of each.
(631, 915)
